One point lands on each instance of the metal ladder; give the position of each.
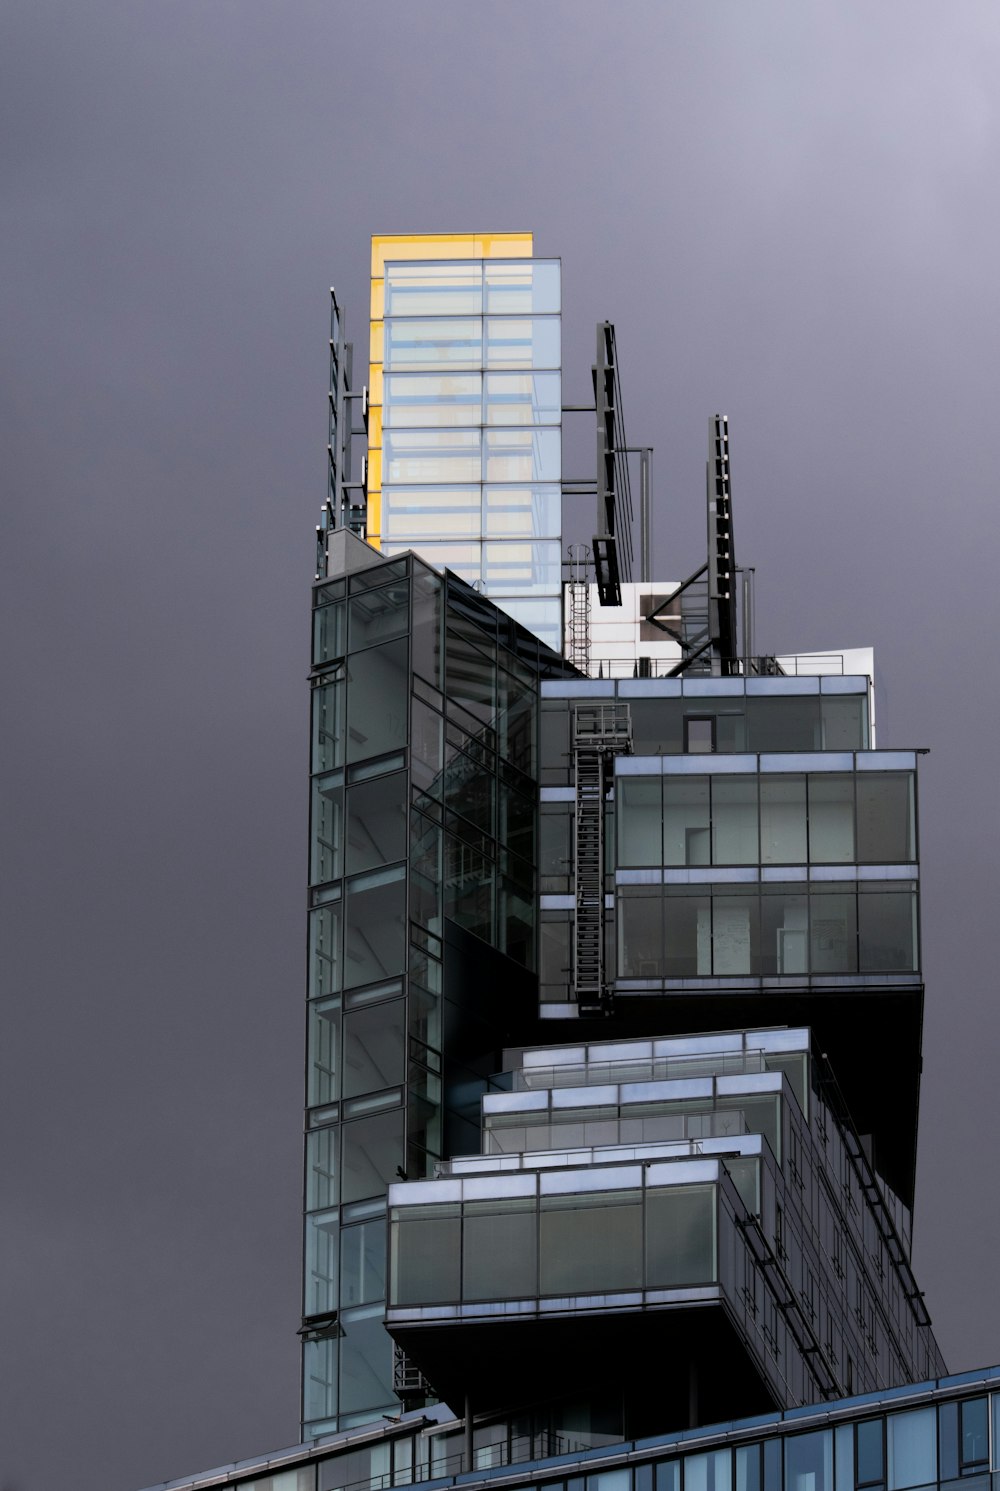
(600, 732)
(578, 608)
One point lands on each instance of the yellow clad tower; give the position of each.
(464, 414)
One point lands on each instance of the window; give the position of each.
(699, 734)
(911, 1440)
(870, 1450)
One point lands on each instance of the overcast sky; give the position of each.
(791, 213)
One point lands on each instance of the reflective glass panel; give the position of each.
(329, 633)
(425, 872)
(377, 700)
(499, 1251)
(327, 829)
(687, 934)
(523, 399)
(372, 1155)
(469, 882)
(522, 512)
(432, 455)
(870, 1458)
(680, 1236)
(519, 567)
(322, 1247)
(709, 1472)
(845, 722)
(374, 1048)
(374, 934)
(686, 824)
(378, 615)
(431, 512)
(362, 1263)
(324, 951)
(555, 956)
(590, 1244)
(521, 286)
(464, 558)
(516, 920)
(456, 343)
(974, 1445)
(783, 724)
(321, 1168)
(784, 932)
(833, 933)
(522, 455)
(639, 819)
(885, 817)
(783, 820)
(426, 1244)
(366, 1365)
(831, 818)
(734, 820)
(446, 289)
(735, 933)
(640, 932)
(426, 748)
(328, 730)
(427, 638)
(887, 931)
(522, 342)
(376, 823)
(319, 1371)
(515, 724)
(911, 1443)
(324, 1066)
(809, 1461)
(418, 400)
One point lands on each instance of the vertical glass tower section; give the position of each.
(422, 924)
(464, 415)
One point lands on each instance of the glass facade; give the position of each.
(529, 1190)
(482, 1205)
(727, 857)
(464, 418)
(674, 1174)
(424, 725)
(743, 715)
(938, 1435)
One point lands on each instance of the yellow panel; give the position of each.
(375, 427)
(374, 384)
(374, 471)
(378, 300)
(373, 520)
(447, 246)
(375, 341)
(504, 246)
(419, 246)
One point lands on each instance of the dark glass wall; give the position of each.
(422, 830)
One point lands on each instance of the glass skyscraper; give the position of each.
(615, 999)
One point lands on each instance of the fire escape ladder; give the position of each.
(579, 624)
(600, 732)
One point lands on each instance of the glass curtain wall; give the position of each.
(422, 808)
(465, 436)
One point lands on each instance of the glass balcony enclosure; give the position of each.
(614, 1174)
(767, 815)
(714, 717)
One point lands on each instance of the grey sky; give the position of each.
(789, 210)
